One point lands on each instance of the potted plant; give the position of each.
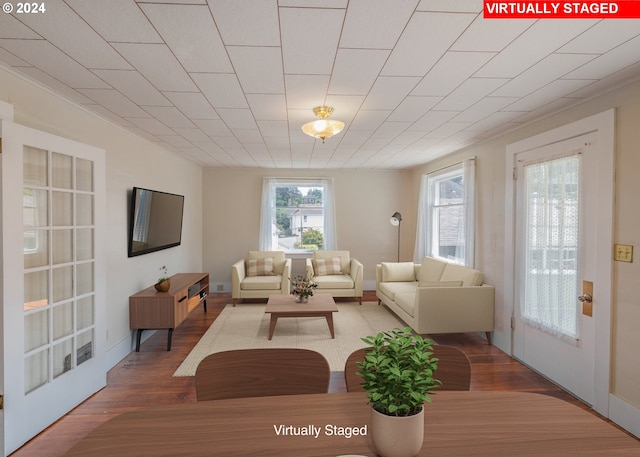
(164, 282)
(303, 288)
(397, 375)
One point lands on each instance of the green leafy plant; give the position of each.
(398, 372)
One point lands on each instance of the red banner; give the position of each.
(517, 9)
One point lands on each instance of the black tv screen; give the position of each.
(156, 221)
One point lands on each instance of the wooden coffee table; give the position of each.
(319, 305)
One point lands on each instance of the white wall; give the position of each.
(365, 200)
(131, 161)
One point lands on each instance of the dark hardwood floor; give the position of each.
(145, 379)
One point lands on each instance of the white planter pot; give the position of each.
(397, 436)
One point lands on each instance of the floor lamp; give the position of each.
(395, 221)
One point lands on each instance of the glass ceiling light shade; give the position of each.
(323, 128)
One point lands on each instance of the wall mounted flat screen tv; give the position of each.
(155, 222)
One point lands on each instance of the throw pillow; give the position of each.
(260, 267)
(324, 267)
(440, 284)
(398, 272)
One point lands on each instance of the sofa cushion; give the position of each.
(390, 289)
(344, 256)
(261, 283)
(324, 267)
(440, 284)
(260, 267)
(334, 282)
(406, 301)
(398, 271)
(278, 257)
(430, 270)
(468, 276)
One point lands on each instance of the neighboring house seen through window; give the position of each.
(297, 215)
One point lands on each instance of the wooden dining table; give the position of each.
(473, 423)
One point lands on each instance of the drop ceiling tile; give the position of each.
(43, 55)
(355, 70)
(447, 130)
(301, 28)
(305, 91)
(222, 90)
(192, 135)
(75, 37)
(238, 119)
(390, 130)
(175, 141)
(116, 20)
(158, 65)
(369, 119)
(345, 106)
(603, 37)
(547, 94)
(469, 92)
(13, 28)
(213, 128)
(192, 104)
(389, 91)
(110, 116)
(484, 108)
(131, 84)
(274, 129)
(209, 147)
(439, 30)
(274, 143)
(355, 137)
(413, 107)
(547, 70)
(268, 107)
(259, 69)
(13, 61)
(372, 24)
(492, 121)
(247, 22)
(183, 28)
(541, 39)
(615, 60)
(464, 6)
(618, 78)
(151, 125)
(249, 137)
(170, 116)
(432, 120)
(190, 2)
(115, 101)
(491, 35)
(451, 71)
(407, 137)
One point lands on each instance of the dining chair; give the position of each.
(454, 369)
(261, 372)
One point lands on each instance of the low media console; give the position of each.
(153, 310)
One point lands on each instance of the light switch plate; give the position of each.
(623, 252)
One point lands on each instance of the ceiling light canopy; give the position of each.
(323, 128)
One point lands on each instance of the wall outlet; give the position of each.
(623, 253)
(219, 287)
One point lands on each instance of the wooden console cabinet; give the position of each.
(153, 310)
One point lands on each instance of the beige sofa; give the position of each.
(261, 274)
(336, 273)
(436, 296)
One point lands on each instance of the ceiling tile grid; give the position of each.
(228, 83)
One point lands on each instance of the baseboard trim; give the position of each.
(624, 414)
(125, 347)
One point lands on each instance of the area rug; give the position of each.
(246, 326)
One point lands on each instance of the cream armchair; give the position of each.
(336, 273)
(261, 274)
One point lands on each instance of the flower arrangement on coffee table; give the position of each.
(303, 288)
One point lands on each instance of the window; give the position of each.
(297, 215)
(446, 215)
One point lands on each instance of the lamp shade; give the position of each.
(323, 128)
(395, 219)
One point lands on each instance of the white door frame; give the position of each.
(603, 125)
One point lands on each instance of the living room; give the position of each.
(222, 211)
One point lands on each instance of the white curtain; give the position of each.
(422, 246)
(552, 195)
(268, 209)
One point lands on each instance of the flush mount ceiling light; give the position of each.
(323, 128)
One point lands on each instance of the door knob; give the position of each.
(585, 298)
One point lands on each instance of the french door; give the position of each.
(562, 266)
(53, 279)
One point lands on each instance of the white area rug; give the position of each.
(247, 326)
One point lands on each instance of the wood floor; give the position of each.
(145, 379)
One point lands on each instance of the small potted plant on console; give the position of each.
(398, 377)
(164, 282)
